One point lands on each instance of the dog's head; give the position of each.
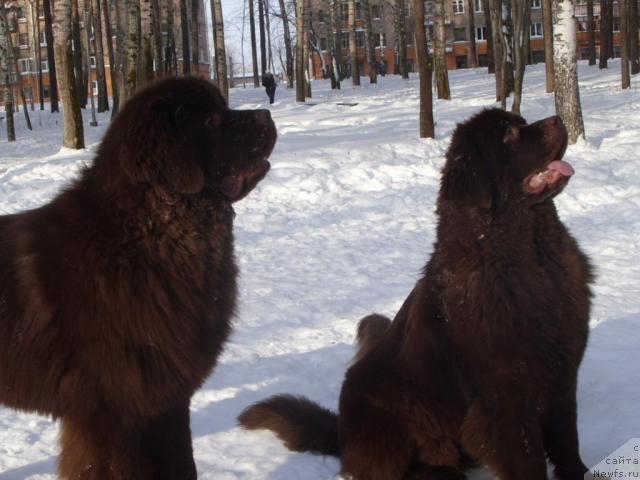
(496, 157)
(180, 135)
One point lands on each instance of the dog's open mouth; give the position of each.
(237, 185)
(550, 176)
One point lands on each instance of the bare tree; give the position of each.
(106, 17)
(427, 128)
(623, 5)
(287, 43)
(439, 45)
(132, 50)
(101, 77)
(145, 60)
(495, 9)
(184, 31)
(591, 33)
(547, 31)
(521, 12)
(267, 14)
(401, 35)
(254, 53)
(35, 28)
(491, 66)
(300, 80)
(471, 27)
(353, 51)
(371, 48)
(508, 62)
(156, 25)
(5, 73)
(13, 61)
(263, 38)
(335, 46)
(48, 34)
(195, 41)
(306, 42)
(221, 66)
(634, 47)
(567, 92)
(73, 132)
(170, 52)
(81, 70)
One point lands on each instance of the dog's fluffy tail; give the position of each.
(303, 425)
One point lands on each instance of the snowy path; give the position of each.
(340, 228)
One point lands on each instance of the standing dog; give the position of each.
(116, 297)
(480, 364)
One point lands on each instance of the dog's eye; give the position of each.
(213, 120)
(510, 135)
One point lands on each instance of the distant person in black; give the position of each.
(269, 83)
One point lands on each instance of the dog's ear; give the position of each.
(466, 174)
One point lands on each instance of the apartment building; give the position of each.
(456, 26)
(26, 27)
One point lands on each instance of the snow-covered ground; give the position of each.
(341, 227)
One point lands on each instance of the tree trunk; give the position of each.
(101, 80)
(567, 92)
(507, 52)
(53, 77)
(131, 50)
(371, 48)
(267, 14)
(427, 129)
(471, 26)
(300, 93)
(145, 61)
(184, 35)
(491, 65)
(5, 73)
(604, 22)
(13, 64)
(156, 25)
(591, 33)
(221, 64)
(334, 47)
(171, 54)
(547, 31)
(306, 15)
(439, 46)
(78, 61)
(35, 27)
(263, 39)
(401, 35)
(73, 133)
(254, 53)
(353, 50)
(634, 48)
(195, 40)
(623, 5)
(495, 9)
(521, 12)
(287, 43)
(106, 16)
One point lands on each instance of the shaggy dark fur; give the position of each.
(116, 297)
(480, 363)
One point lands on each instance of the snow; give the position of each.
(341, 227)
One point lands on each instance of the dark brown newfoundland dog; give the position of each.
(479, 366)
(116, 297)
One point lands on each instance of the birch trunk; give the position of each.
(334, 47)
(371, 49)
(101, 80)
(73, 132)
(145, 61)
(35, 6)
(5, 73)
(221, 64)
(425, 72)
(306, 12)
(353, 52)
(567, 92)
(442, 75)
(287, 44)
(78, 61)
(507, 52)
(131, 50)
(521, 12)
(156, 25)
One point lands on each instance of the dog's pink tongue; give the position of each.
(561, 167)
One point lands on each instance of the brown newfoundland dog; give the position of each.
(479, 366)
(116, 297)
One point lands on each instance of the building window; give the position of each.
(21, 14)
(458, 6)
(375, 12)
(459, 34)
(40, 11)
(44, 64)
(481, 33)
(24, 65)
(94, 87)
(358, 11)
(92, 61)
(536, 29)
(536, 3)
(43, 39)
(360, 39)
(378, 40)
(23, 40)
(461, 61)
(344, 39)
